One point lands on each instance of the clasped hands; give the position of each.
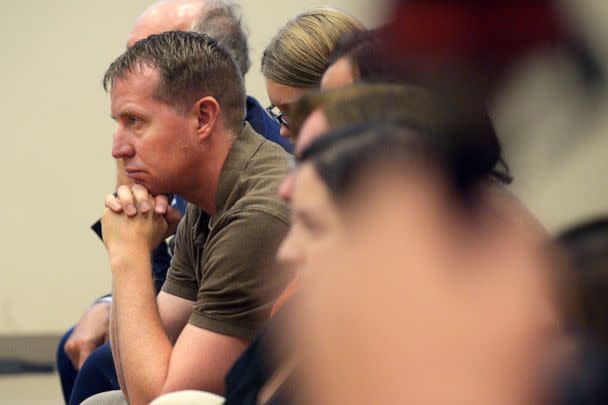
(135, 219)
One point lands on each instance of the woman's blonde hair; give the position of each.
(298, 54)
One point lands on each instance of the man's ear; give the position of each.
(208, 113)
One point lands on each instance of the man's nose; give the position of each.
(121, 147)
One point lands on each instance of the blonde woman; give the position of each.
(297, 56)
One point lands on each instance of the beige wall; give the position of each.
(56, 164)
(555, 134)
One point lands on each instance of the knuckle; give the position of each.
(124, 193)
(122, 189)
(109, 200)
(139, 192)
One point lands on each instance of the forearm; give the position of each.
(144, 349)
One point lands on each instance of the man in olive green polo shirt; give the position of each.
(179, 102)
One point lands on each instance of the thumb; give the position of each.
(172, 217)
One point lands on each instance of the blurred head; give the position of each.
(297, 56)
(371, 103)
(170, 93)
(323, 182)
(359, 57)
(315, 220)
(218, 19)
(410, 106)
(441, 307)
(419, 274)
(317, 112)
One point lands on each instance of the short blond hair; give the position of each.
(364, 103)
(408, 106)
(298, 54)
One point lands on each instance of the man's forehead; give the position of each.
(141, 76)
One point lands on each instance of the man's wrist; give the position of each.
(123, 257)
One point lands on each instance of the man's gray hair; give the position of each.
(190, 66)
(221, 20)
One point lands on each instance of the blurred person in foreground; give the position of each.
(312, 223)
(183, 131)
(438, 296)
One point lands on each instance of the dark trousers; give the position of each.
(96, 375)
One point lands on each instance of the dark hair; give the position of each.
(222, 22)
(190, 66)
(342, 156)
(368, 55)
(467, 140)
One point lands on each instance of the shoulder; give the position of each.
(258, 184)
(254, 220)
(266, 159)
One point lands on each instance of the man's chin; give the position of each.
(154, 189)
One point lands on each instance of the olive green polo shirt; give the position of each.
(226, 263)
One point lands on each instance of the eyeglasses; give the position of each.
(278, 115)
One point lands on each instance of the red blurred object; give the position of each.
(488, 33)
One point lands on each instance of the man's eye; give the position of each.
(132, 120)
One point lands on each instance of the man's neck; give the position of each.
(202, 191)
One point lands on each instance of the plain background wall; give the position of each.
(555, 134)
(56, 164)
(56, 138)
